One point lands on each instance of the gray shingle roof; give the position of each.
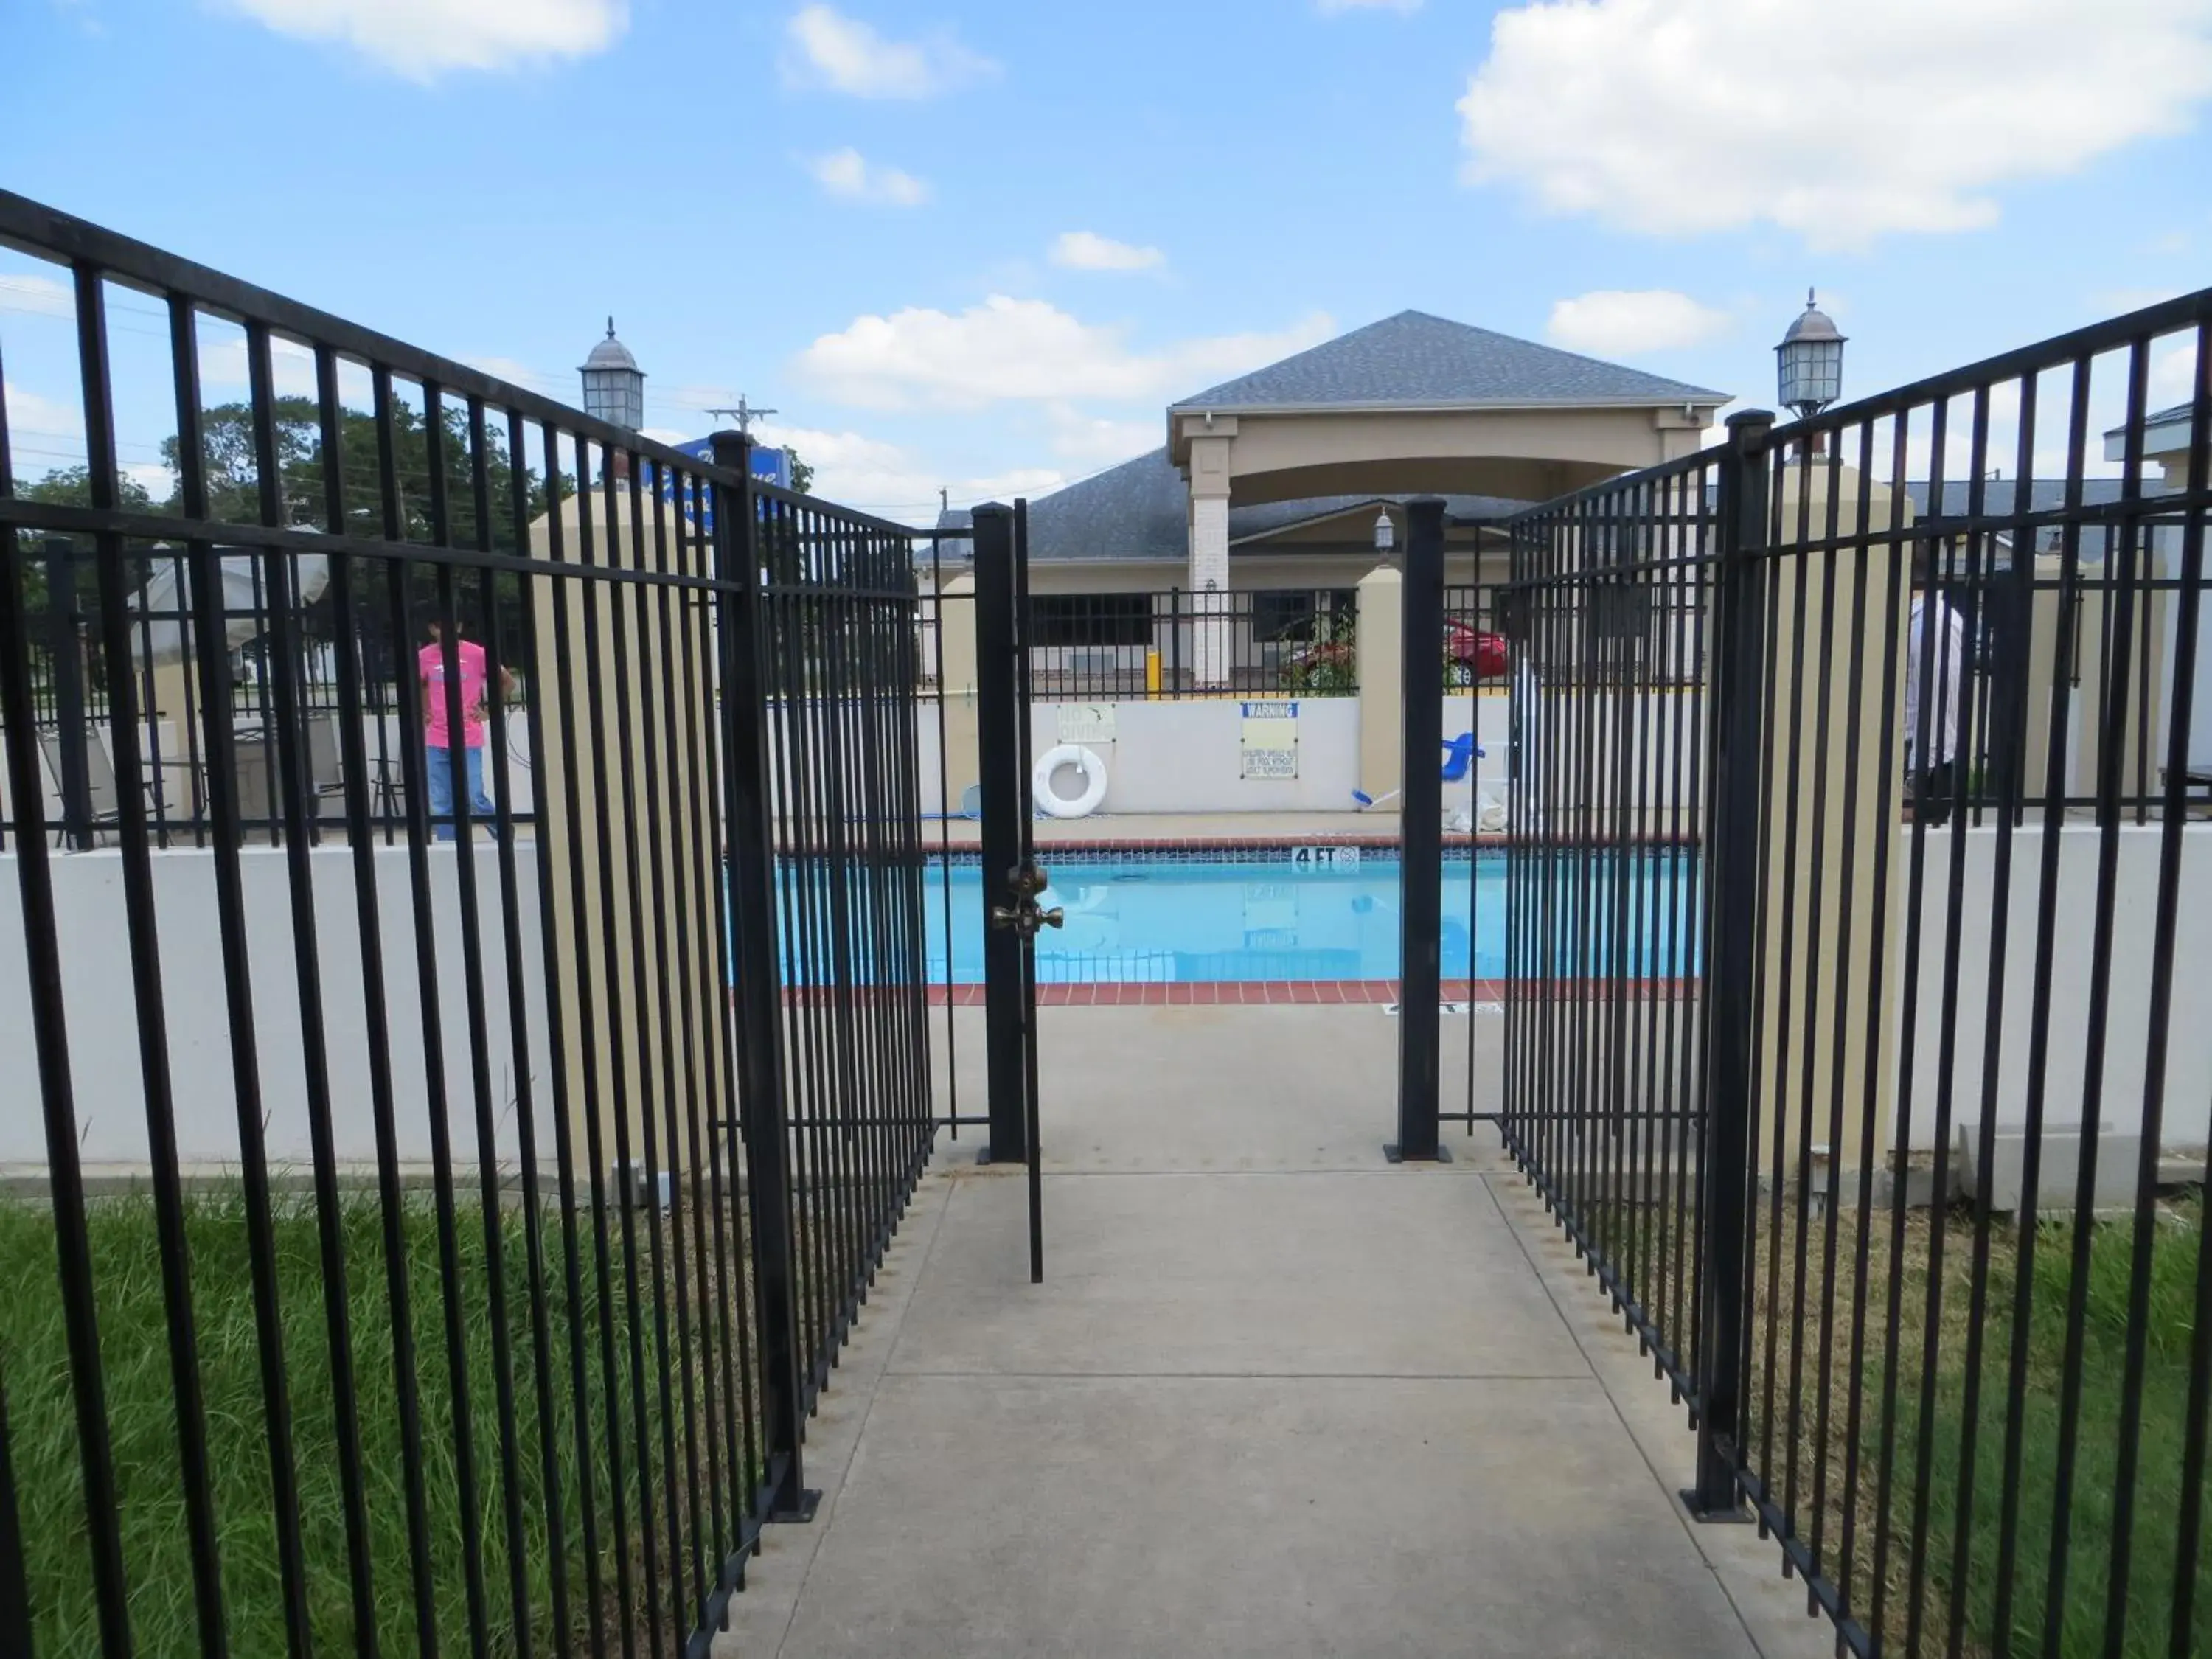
(1135, 511)
(2001, 496)
(1414, 358)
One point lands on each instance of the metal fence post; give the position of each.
(743, 642)
(72, 722)
(1420, 831)
(1005, 800)
(1739, 702)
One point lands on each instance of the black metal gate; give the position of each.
(1013, 881)
(454, 1183)
(1851, 980)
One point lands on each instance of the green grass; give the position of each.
(2156, 1490)
(48, 1469)
(2157, 1485)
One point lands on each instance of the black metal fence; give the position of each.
(1474, 648)
(1857, 1018)
(431, 1236)
(72, 707)
(1138, 646)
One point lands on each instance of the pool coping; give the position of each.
(1198, 847)
(1248, 994)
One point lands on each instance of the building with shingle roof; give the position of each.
(1275, 480)
(1414, 360)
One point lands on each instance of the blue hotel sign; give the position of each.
(770, 466)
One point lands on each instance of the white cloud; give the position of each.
(849, 173)
(223, 366)
(423, 39)
(156, 478)
(1683, 116)
(2172, 373)
(846, 54)
(40, 296)
(1621, 322)
(521, 374)
(1097, 441)
(45, 419)
(1085, 250)
(858, 470)
(1023, 349)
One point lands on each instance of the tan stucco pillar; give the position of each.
(623, 955)
(1382, 706)
(956, 686)
(1838, 792)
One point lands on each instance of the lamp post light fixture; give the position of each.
(614, 386)
(1809, 362)
(1386, 534)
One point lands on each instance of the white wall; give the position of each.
(1183, 756)
(111, 1109)
(1489, 715)
(928, 752)
(1663, 732)
(2188, 1101)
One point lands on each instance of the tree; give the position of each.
(234, 495)
(234, 482)
(71, 486)
(65, 486)
(802, 476)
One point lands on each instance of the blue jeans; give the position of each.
(440, 771)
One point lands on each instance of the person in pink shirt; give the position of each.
(476, 724)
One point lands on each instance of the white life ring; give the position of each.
(1083, 761)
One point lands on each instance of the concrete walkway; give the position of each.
(1275, 1398)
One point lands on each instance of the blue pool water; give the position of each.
(1132, 920)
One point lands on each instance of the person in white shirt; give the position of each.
(1930, 775)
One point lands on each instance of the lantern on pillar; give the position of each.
(1810, 362)
(614, 386)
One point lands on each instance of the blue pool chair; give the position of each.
(1460, 753)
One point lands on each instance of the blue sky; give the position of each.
(979, 246)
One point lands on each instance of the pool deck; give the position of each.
(1273, 1398)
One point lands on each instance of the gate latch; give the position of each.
(1023, 883)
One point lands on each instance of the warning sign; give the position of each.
(1268, 741)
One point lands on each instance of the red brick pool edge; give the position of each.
(1248, 993)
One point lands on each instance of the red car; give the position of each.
(1473, 653)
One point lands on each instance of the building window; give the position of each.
(1090, 619)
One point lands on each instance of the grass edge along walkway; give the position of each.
(142, 1416)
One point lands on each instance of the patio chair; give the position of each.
(1460, 753)
(99, 784)
(325, 774)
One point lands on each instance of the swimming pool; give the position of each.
(1137, 919)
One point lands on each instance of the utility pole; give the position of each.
(744, 415)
